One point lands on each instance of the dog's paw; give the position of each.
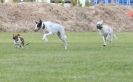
(65, 48)
(104, 45)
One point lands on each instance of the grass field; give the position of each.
(86, 60)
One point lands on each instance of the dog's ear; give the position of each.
(36, 22)
(40, 20)
(100, 22)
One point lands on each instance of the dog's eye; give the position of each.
(15, 38)
(39, 25)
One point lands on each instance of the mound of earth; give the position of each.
(21, 17)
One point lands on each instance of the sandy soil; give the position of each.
(21, 17)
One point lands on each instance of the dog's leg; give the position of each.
(45, 38)
(14, 43)
(104, 40)
(114, 35)
(22, 46)
(63, 37)
(109, 38)
(18, 46)
(65, 43)
(46, 35)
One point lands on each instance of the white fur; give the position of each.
(18, 43)
(106, 32)
(54, 28)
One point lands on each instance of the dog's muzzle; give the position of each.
(99, 26)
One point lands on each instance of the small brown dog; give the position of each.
(18, 41)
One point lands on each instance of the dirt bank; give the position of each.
(21, 17)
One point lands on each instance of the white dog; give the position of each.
(106, 32)
(52, 28)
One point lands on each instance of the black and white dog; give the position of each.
(52, 28)
(18, 41)
(106, 32)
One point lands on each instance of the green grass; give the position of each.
(86, 60)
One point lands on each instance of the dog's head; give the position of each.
(100, 24)
(15, 37)
(39, 25)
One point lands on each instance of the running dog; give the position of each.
(18, 41)
(52, 28)
(106, 32)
